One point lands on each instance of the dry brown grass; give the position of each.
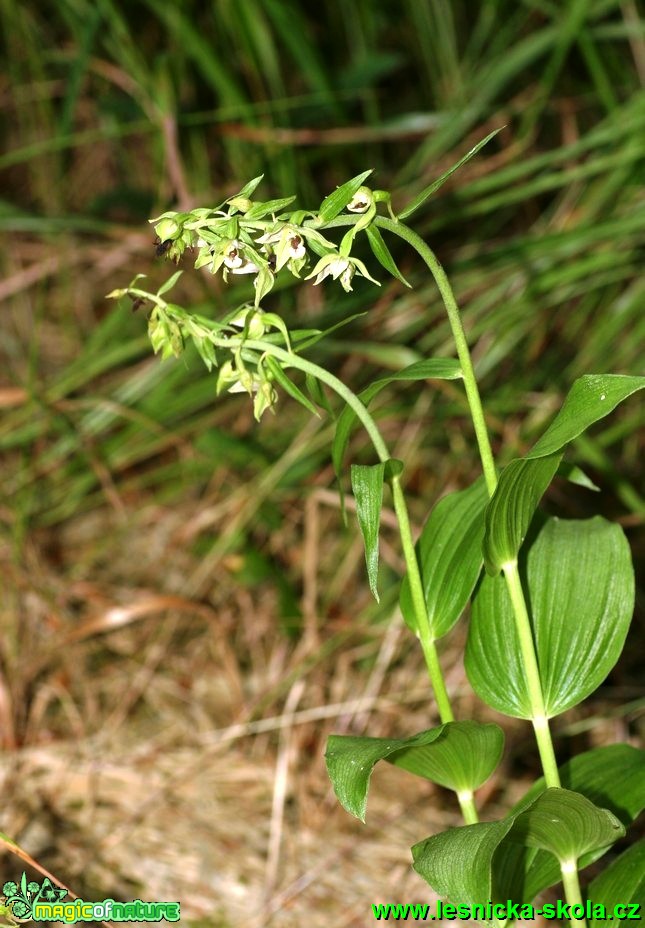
(163, 736)
(169, 747)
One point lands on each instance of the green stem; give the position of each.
(418, 599)
(571, 885)
(461, 344)
(400, 508)
(468, 807)
(532, 671)
(522, 622)
(466, 802)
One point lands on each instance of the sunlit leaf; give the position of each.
(521, 486)
(566, 824)
(613, 778)
(580, 589)
(458, 755)
(591, 398)
(450, 558)
(458, 863)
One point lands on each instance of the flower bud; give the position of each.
(361, 201)
(167, 229)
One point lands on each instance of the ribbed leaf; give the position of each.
(382, 254)
(367, 486)
(567, 825)
(462, 758)
(508, 516)
(524, 481)
(591, 398)
(338, 200)
(458, 863)
(450, 558)
(580, 584)
(473, 864)
(613, 778)
(622, 883)
(458, 755)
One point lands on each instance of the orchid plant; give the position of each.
(551, 599)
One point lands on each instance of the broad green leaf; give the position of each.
(367, 486)
(458, 863)
(450, 559)
(433, 368)
(566, 824)
(382, 254)
(613, 778)
(524, 481)
(461, 758)
(458, 755)
(591, 398)
(473, 864)
(580, 584)
(427, 192)
(622, 883)
(338, 200)
(508, 516)
(288, 386)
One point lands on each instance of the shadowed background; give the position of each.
(184, 618)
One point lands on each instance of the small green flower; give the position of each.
(237, 379)
(287, 242)
(340, 268)
(265, 398)
(173, 237)
(236, 261)
(251, 319)
(10, 888)
(361, 201)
